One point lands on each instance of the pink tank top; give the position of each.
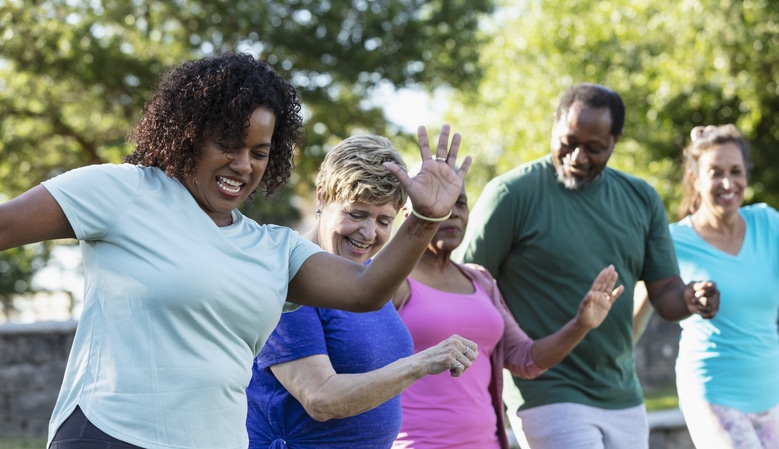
(441, 411)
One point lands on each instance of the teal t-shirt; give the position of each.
(175, 308)
(545, 245)
(733, 358)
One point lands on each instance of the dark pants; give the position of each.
(78, 433)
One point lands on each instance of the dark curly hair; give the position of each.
(213, 98)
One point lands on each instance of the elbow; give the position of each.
(319, 417)
(318, 413)
(322, 408)
(367, 304)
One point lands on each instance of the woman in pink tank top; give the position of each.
(441, 298)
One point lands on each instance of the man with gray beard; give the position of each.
(544, 230)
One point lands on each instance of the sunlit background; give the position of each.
(74, 75)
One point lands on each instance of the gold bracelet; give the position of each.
(434, 220)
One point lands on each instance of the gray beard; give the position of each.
(570, 182)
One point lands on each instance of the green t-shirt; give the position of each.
(545, 245)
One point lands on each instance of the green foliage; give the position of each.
(74, 74)
(16, 268)
(22, 443)
(677, 64)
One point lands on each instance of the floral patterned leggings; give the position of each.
(717, 427)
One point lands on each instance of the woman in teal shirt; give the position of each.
(727, 366)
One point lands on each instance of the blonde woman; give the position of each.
(329, 378)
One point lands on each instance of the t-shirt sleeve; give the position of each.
(301, 250)
(660, 259)
(94, 197)
(489, 235)
(299, 334)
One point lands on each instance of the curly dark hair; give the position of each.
(213, 98)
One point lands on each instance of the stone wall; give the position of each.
(32, 363)
(33, 358)
(655, 354)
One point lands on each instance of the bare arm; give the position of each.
(327, 395)
(642, 310)
(326, 280)
(32, 217)
(674, 301)
(593, 309)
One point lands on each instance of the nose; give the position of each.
(726, 182)
(240, 161)
(577, 155)
(369, 229)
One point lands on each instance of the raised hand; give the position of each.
(435, 188)
(454, 354)
(596, 304)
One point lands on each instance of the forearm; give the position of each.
(668, 299)
(382, 277)
(550, 350)
(327, 280)
(345, 395)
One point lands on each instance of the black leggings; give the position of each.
(78, 433)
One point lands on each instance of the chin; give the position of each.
(569, 181)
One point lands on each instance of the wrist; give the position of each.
(430, 219)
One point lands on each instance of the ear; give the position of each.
(319, 197)
(616, 138)
(692, 178)
(406, 210)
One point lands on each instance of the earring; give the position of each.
(318, 211)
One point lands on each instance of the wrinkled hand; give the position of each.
(455, 354)
(702, 298)
(435, 188)
(596, 304)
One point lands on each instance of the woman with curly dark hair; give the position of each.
(181, 289)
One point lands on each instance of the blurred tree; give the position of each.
(16, 270)
(74, 74)
(677, 64)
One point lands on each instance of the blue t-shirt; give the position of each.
(733, 358)
(355, 343)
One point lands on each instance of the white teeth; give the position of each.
(230, 182)
(225, 185)
(357, 244)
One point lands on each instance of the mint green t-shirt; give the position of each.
(175, 308)
(545, 245)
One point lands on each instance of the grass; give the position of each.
(661, 398)
(22, 443)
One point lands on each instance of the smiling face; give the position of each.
(721, 179)
(223, 178)
(354, 230)
(581, 145)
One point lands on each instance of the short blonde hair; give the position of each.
(352, 171)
